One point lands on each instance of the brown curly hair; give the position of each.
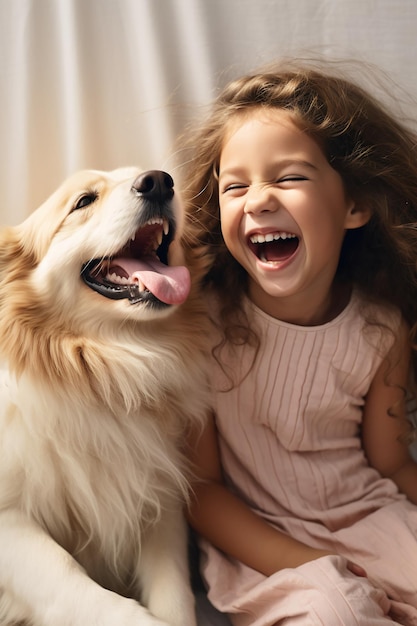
(375, 154)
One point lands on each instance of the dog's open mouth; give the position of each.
(140, 271)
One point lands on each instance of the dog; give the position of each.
(103, 347)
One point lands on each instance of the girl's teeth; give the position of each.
(258, 238)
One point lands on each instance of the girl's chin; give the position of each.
(261, 290)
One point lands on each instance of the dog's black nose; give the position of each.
(154, 185)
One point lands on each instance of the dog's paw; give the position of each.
(177, 609)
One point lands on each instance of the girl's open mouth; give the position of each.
(273, 247)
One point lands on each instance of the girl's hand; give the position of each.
(356, 569)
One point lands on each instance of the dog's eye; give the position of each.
(85, 200)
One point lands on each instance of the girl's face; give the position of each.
(283, 210)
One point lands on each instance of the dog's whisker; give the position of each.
(172, 162)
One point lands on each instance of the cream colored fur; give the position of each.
(96, 398)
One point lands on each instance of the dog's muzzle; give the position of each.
(139, 271)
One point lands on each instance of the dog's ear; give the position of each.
(10, 246)
(13, 255)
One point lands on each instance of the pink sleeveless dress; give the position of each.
(290, 445)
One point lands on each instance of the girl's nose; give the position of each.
(261, 199)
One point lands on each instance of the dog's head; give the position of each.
(105, 243)
(92, 286)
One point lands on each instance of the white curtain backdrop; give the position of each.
(105, 83)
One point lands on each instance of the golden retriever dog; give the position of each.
(102, 338)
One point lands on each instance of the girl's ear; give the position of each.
(356, 216)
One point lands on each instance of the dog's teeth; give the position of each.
(140, 285)
(165, 227)
(119, 280)
(159, 238)
(154, 220)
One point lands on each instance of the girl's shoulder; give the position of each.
(378, 323)
(376, 312)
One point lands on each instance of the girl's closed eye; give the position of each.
(233, 187)
(292, 178)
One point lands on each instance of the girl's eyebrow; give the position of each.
(281, 164)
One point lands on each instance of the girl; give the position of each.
(305, 201)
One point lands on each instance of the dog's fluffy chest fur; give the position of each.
(86, 483)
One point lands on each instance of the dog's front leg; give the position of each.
(163, 570)
(42, 585)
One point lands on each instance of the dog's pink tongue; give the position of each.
(169, 284)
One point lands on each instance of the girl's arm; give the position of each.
(384, 422)
(229, 524)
